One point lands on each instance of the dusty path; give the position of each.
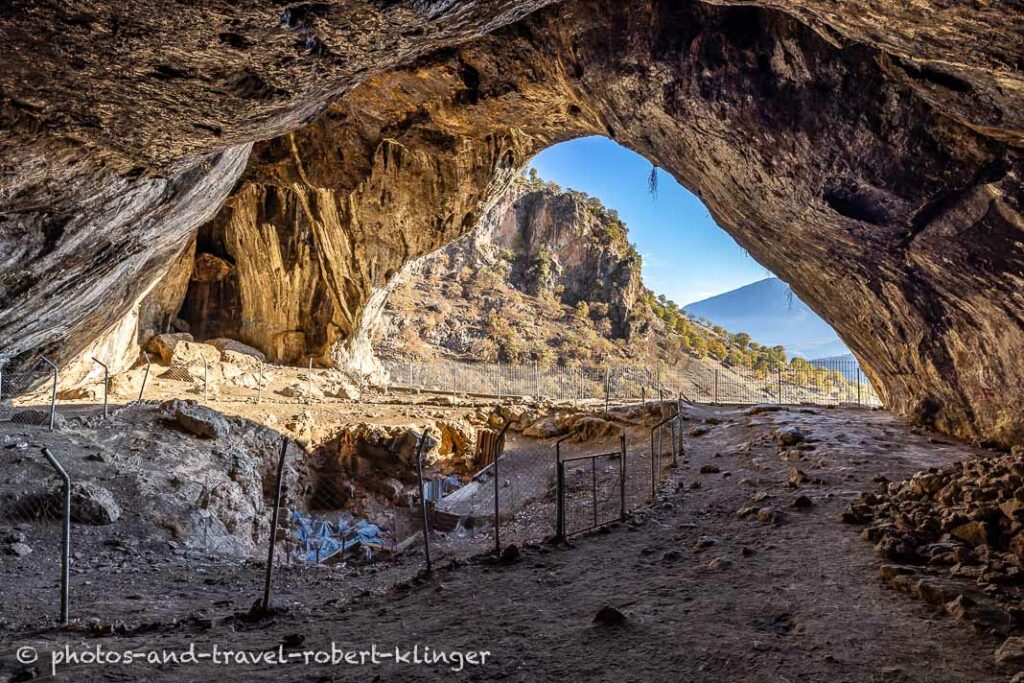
(708, 597)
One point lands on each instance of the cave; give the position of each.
(264, 172)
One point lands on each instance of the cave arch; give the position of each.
(887, 193)
(812, 158)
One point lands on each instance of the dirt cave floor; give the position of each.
(707, 596)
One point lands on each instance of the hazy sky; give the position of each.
(686, 255)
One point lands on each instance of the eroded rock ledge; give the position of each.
(870, 157)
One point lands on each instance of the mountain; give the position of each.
(770, 313)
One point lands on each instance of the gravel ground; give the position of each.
(706, 596)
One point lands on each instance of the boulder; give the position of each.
(90, 503)
(303, 390)
(162, 346)
(590, 428)
(192, 354)
(237, 359)
(338, 385)
(544, 429)
(223, 344)
(200, 420)
(127, 384)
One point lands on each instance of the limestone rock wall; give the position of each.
(563, 245)
(868, 153)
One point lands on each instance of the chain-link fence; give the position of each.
(823, 382)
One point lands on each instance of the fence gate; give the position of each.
(591, 491)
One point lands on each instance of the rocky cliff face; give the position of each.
(546, 275)
(869, 154)
(565, 245)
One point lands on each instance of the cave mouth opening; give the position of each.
(688, 260)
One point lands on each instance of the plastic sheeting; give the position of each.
(319, 540)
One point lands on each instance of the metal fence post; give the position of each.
(622, 478)
(858, 385)
(423, 498)
(269, 578)
(679, 419)
(259, 385)
(206, 380)
(53, 393)
(779, 373)
(106, 383)
(497, 505)
(560, 490)
(716, 386)
(607, 384)
(309, 380)
(654, 476)
(145, 377)
(65, 556)
(675, 461)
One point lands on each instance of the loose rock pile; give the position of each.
(956, 535)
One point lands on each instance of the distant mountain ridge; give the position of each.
(769, 312)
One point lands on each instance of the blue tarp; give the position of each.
(318, 539)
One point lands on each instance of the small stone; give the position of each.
(788, 436)
(510, 555)
(888, 572)
(802, 503)
(769, 516)
(747, 511)
(797, 478)
(972, 533)
(719, 563)
(19, 549)
(1011, 653)
(705, 542)
(710, 468)
(699, 430)
(609, 616)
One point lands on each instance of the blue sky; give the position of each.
(687, 257)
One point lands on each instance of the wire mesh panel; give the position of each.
(525, 495)
(32, 533)
(27, 395)
(701, 380)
